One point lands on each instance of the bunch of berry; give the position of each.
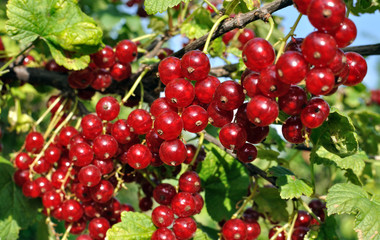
(183, 204)
(106, 65)
(245, 228)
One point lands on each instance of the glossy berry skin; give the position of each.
(247, 153)
(22, 161)
(245, 36)
(303, 219)
(31, 189)
(184, 228)
(195, 65)
(153, 141)
(319, 48)
(357, 69)
(81, 79)
(345, 33)
(205, 89)
(52, 154)
(139, 156)
(312, 116)
(291, 67)
(98, 228)
(42, 166)
(269, 84)
(199, 202)
(51, 199)
(163, 193)
(140, 121)
(229, 96)
(161, 105)
(163, 233)
(293, 130)
(338, 63)
(299, 233)
(326, 15)
(232, 136)
(72, 210)
(107, 108)
(256, 134)
(195, 118)
(258, 54)
(44, 185)
(250, 215)
(180, 92)
(91, 126)
(253, 230)
(320, 81)
(272, 232)
(66, 134)
(189, 182)
(104, 58)
(250, 84)
(162, 216)
(145, 204)
(84, 237)
(295, 43)
(20, 177)
(293, 101)
(234, 229)
(102, 192)
(105, 146)
(57, 178)
(34, 142)
(120, 71)
(121, 131)
(77, 227)
(102, 80)
(321, 104)
(173, 152)
(302, 5)
(262, 111)
(168, 125)
(89, 175)
(169, 69)
(183, 204)
(218, 117)
(228, 36)
(126, 51)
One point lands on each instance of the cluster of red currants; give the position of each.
(183, 204)
(106, 64)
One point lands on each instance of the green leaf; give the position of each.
(157, 24)
(200, 235)
(13, 203)
(363, 6)
(337, 135)
(199, 25)
(70, 60)
(48, 19)
(267, 154)
(224, 180)
(367, 125)
(347, 198)
(354, 162)
(133, 226)
(327, 229)
(9, 229)
(290, 187)
(217, 48)
(251, 4)
(156, 6)
(268, 200)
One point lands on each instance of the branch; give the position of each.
(365, 50)
(252, 169)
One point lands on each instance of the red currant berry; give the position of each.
(218, 117)
(184, 228)
(303, 219)
(163, 234)
(139, 156)
(269, 84)
(232, 136)
(234, 229)
(195, 118)
(82, 193)
(98, 228)
(162, 216)
(319, 49)
(205, 89)
(58, 177)
(189, 182)
(299, 233)
(105, 146)
(126, 51)
(91, 126)
(169, 69)
(81, 79)
(34, 142)
(229, 95)
(168, 125)
(66, 134)
(153, 141)
(89, 175)
(81, 154)
(173, 152)
(199, 202)
(262, 111)
(52, 154)
(293, 130)
(273, 231)
(102, 80)
(339, 62)
(256, 134)
(358, 68)
(51, 199)
(72, 210)
(302, 5)
(84, 237)
(326, 15)
(121, 131)
(164, 52)
(247, 153)
(145, 204)
(195, 65)
(102, 192)
(107, 108)
(164, 193)
(245, 36)
(179, 92)
(320, 81)
(345, 34)
(321, 104)
(42, 166)
(44, 184)
(22, 161)
(228, 36)
(293, 101)
(161, 105)
(258, 54)
(250, 215)
(120, 71)
(140, 121)
(50, 102)
(104, 58)
(77, 227)
(291, 67)
(20, 177)
(250, 84)
(31, 189)
(312, 116)
(253, 230)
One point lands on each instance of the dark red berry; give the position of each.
(189, 182)
(98, 228)
(258, 54)
(107, 108)
(262, 111)
(256, 134)
(293, 101)
(173, 152)
(299, 233)
(291, 67)
(294, 131)
(270, 85)
(169, 69)
(232, 136)
(273, 231)
(195, 65)
(126, 51)
(250, 215)
(162, 216)
(120, 71)
(31, 189)
(247, 153)
(81, 79)
(179, 92)
(102, 80)
(163, 193)
(20, 177)
(303, 219)
(184, 228)
(234, 229)
(102, 192)
(140, 121)
(218, 117)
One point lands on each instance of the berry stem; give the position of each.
(184, 11)
(216, 25)
(279, 230)
(151, 35)
(200, 143)
(212, 6)
(310, 211)
(65, 179)
(119, 177)
(141, 96)
(271, 23)
(289, 237)
(285, 39)
(56, 101)
(230, 8)
(246, 201)
(64, 237)
(133, 88)
(58, 114)
(14, 59)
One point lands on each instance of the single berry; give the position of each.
(126, 51)
(98, 228)
(140, 121)
(346, 33)
(320, 81)
(168, 125)
(357, 68)
(162, 216)
(270, 85)
(258, 54)
(72, 210)
(205, 89)
(105, 146)
(294, 131)
(89, 175)
(180, 92)
(195, 118)
(291, 67)
(161, 105)
(229, 96)
(34, 142)
(173, 152)
(164, 193)
(262, 111)
(319, 48)
(120, 71)
(326, 15)
(293, 101)
(91, 126)
(247, 153)
(189, 182)
(234, 229)
(102, 192)
(107, 108)
(195, 65)
(218, 117)
(163, 233)
(184, 228)
(139, 156)
(232, 136)
(169, 69)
